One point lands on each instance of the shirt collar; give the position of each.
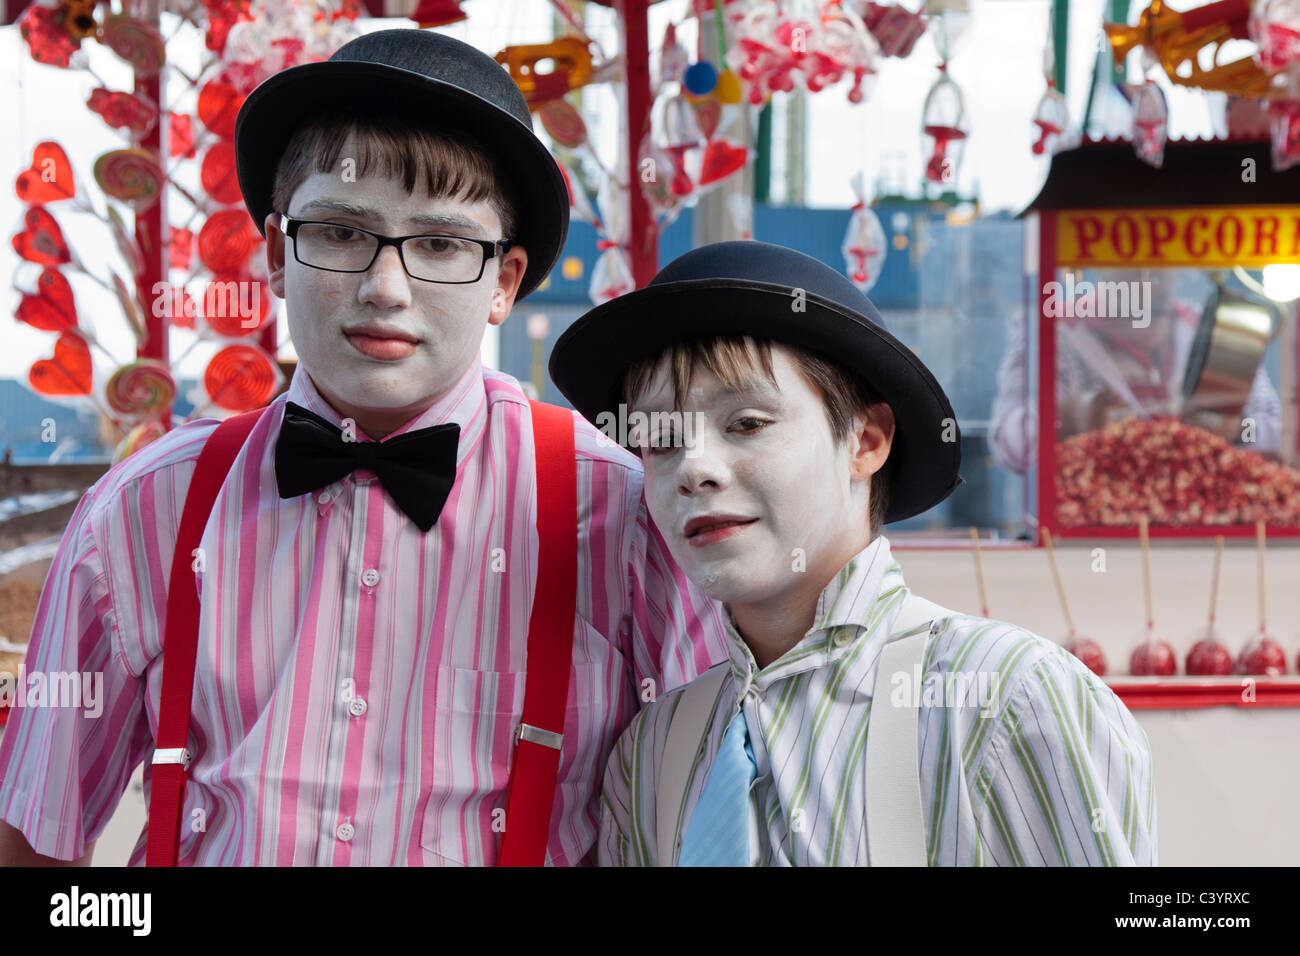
(847, 608)
(464, 404)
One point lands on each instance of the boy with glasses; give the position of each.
(370, 572)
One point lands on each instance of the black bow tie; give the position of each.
(417, 469)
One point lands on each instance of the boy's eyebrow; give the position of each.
(757, 387)
(439, 221)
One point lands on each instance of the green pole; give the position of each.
(1061, 38)
(1118, 14)
(763, 164)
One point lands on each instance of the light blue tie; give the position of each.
(717, 833)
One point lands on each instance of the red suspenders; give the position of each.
(531, 791)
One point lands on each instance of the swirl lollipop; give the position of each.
(1208, 657)
(226, 241)
(240, 378)
(130, 175)
(235, 306)
(563, 123)
(141, 389)
(137, 42)
(135, 439)
(217, 173)
(1084, 648)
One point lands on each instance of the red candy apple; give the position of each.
(1089, 651)
(1153, 658)
(1209, 658)
(1262, 656)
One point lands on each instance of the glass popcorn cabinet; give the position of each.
(1162, 356)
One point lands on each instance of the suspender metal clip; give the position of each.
(178, 755)
(536, 735)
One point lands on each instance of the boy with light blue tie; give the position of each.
(854, 722)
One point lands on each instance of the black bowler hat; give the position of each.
(442, 81)
(770, 292)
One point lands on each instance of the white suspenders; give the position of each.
(895, 823)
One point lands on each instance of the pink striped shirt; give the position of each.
(358, 682)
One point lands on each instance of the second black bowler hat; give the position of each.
(438, 80)
(770, 292)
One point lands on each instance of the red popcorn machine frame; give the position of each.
(1185, 461)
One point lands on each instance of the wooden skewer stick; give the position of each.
(1214, 578)
(1259, 540)
(979, 572)
(1056, 576)
(1146, 568)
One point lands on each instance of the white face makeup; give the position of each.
(781, 508)
(367, 378)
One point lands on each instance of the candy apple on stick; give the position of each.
(1084, 648)
(1208, 657)
(1153, 657)
(1263, 654)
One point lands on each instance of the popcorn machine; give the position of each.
(1166, 343)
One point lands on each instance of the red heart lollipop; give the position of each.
(42, 241)
(218, 106)
(240, 378)
(226, 240)
(49, 178)
(51, 307)
(721, 159)
(217, 173)
(69, 372)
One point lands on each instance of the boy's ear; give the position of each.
(510, 275)
(275, 250)
(870, 439)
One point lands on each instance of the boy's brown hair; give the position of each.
(396, 144)
(732, 361)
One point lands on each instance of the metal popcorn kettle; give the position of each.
(1233, 333)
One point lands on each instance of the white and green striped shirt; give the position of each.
(1027, 758)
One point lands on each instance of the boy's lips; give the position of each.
(381, 342)
(708, 529)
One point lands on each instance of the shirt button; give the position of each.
(842, 638)
(323, 498)
(357, 707)
(345, 832)
(370, 578)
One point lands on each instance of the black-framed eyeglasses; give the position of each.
(337, 247)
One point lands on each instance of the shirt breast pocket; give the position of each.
(475, 721)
